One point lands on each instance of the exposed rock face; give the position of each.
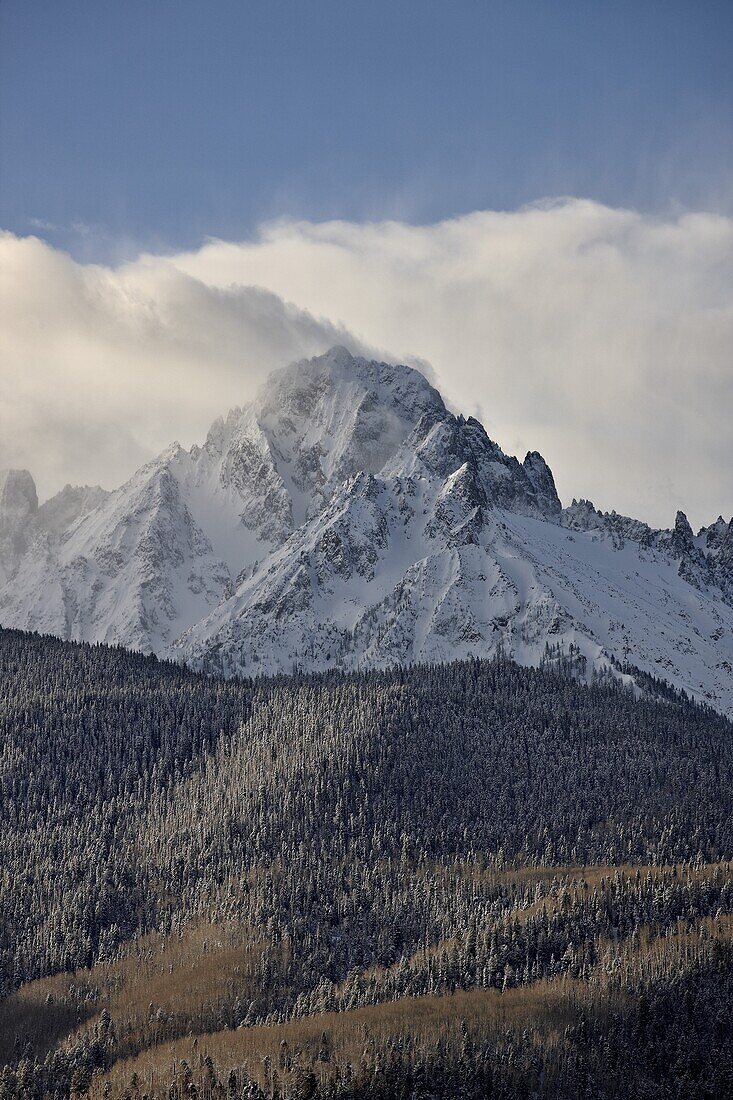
(717, 540)
(347, 518)
(540, 476)
(18, 506)
(440, 446)
(694, 566)
(18, 499)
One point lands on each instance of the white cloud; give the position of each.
(601, 337)
(102, 368)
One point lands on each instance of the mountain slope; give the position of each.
(400, 572)
(347, 518)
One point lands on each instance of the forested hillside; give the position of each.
(468, 879)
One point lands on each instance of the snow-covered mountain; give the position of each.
(347, 518)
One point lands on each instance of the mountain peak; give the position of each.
(18, 497)
(346, 518)
(335, 415)
(307, 379)
(340, 356)
(18, 506)
(682, 538)
(542, 481)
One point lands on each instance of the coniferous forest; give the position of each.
(464, 880)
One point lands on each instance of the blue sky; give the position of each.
(154, 124)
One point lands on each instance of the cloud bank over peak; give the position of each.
(102, 368)
(601, 337)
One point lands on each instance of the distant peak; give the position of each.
(16, 476)
(18, 496)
